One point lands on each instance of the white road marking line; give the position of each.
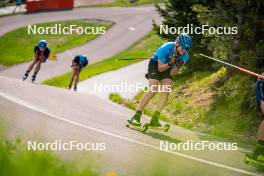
(132, 28)
(69, 53)
(38, 109)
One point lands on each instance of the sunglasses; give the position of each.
(181, 49)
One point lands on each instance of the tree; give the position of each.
(246, 15)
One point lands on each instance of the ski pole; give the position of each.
(234, 66)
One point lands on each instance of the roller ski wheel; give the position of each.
(131, 125)
(250, 160)
(33, 79)
(164, 128)
(145, 127)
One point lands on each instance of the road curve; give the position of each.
(38, 112)
(116, 39)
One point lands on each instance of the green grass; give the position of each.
(115, 97)
(15, 159)
(125, 3)
(17, 46)
(202, 101)
(143, 48)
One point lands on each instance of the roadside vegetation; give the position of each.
(4, 3)
(206, 97)
(201, 101)
(18, 45)
(16, 160)
(201, 98)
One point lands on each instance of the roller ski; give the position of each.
(134, 122)
(33, 79)
(154, 124)
(149, 126)
(257, 161)
(25, 76)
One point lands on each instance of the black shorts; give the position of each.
(154, 73)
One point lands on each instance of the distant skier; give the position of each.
(18, 5)
(78, 63)
(165, 63)
(42, 53)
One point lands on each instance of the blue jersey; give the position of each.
(18, 2)
(80, 60)
(165, 52)
(45, 53)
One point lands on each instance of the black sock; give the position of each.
(259, 149)
(138, 112)
(156, 114)
(27, 72)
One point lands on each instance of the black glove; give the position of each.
(175, 60)
(179, 62)
(172, 60)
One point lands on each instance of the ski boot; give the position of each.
(25, 76)
(75, 88)
(155, 120)
(33, 78)
(257, 161)
(135, 120)
(154, 124)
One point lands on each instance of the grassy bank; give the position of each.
(143, 48)
(17, 46)
(201, 101)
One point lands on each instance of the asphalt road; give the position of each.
(130, 25)
(123, 83)
(43, 113)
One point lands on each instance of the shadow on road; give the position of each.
(158, 136)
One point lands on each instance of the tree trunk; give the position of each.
(234, 56)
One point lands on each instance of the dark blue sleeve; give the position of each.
(76, 59)
(86, 62)
(36, 49)
(46, 52)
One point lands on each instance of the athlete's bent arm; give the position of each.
(174, 71)
(163, 66)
